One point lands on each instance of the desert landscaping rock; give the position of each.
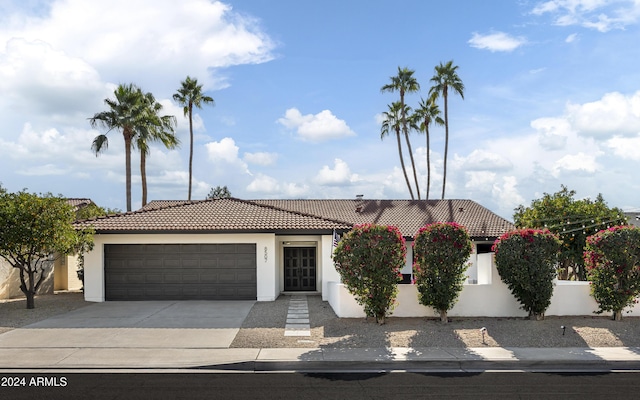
(264, 327)
(14, 314)
(265, 324)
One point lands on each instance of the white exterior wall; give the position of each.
(323, 253)
(329, 272)
(266, 258)
(10, 281)
(493, 299)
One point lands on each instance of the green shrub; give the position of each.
(612, 258)
(526, 261)
(441, 254)
(369, 259)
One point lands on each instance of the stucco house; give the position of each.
(252, 249)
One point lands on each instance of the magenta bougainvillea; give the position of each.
(526, 260)
(612, 258)
(441, 253)
(369, 259)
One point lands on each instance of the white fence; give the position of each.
(490, 299)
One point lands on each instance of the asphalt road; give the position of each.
(403, 385)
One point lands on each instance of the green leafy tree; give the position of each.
(404, 82)
(219, 192)
(189, 95)
(36, 230)
(441, 257)
(427, 113)
(369, 259)
(612, 257)
(155, 128)
(572, 221)
(446, 78)
(93, 210)
(126, 114)
(392, 122)
(526, 261)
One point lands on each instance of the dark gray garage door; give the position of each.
(180, 271)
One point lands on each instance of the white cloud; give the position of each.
(316, 128)
(269, 186)
(496, 41)
(226, 151)
(479, 180)
(571, 38)
(190, 36)
(482, 160)
(553, 133)
(264, 184)
(627, 148)
(261, 158)
(579, 162)
(614, 114)
(340, 175)
(37, 78)
(506, 194)
(602, 15)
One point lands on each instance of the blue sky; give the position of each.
(552, 96)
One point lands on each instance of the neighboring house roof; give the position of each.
(301, 215)
(79, 203)
(633, 218)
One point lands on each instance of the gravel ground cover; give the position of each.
(264, 327)
(14, 313)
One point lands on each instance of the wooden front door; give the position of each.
(299, 268)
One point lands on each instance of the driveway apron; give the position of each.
(136, 324)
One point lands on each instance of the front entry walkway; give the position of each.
(298, 317)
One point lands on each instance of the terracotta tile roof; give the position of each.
(225, 215)
(407, 215)
(77, 203)
(302, 215)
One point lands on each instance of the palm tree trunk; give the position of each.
(404, 170)
(127, 162)
(446, 142)
(190, 147)
(413, 165)
(428, 160)
(406, 136)
(143, 176)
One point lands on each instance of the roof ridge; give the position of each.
(303, 214)
(144, 211)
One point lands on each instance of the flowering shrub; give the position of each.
(441, 253)
(526, 261)
(369, 259)
(612, 258)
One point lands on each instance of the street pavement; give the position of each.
(196, 335)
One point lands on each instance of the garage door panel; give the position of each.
(180, 271)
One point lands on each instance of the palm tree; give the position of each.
(157, 128)
(427, 113)
(190, 95)
(446, 77)
(125, 114)
(405, 82)
(393, 123)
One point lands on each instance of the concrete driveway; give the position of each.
(136, 324)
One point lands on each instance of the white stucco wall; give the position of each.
(493, 299)
(268, 287)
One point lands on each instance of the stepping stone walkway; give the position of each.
(298, 317)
